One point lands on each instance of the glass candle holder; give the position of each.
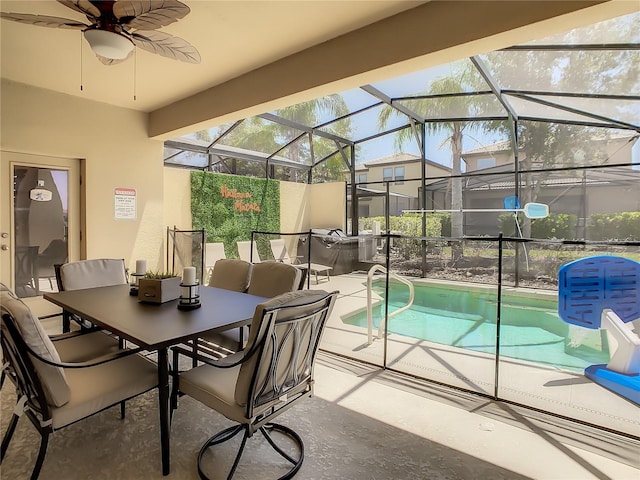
(135, 279)
(189, 296)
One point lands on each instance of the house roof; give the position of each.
(395, 159)
(506, 145)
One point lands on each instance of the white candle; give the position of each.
(189, 276)
(141, 267)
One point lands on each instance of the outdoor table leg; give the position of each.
(163, 398)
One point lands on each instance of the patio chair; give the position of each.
(281, 254)
(212, 253)
(102, 272)
(56, 252)
(54, 394)
(266, 279)
(273, 373)
(230, 274)
(74, 346)
(270, 279)
(26, 271)
(248, 251)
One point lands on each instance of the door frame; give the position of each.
(75, 217)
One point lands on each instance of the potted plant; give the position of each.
(158, 287)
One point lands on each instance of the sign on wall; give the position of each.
(229, 207)
(124, 203)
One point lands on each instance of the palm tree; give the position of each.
(262, 135)
(462, 80)
(309, 114)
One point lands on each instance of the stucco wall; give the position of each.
(116, 151)
(177, 195)
(327, 204)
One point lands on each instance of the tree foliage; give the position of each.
(257, 134)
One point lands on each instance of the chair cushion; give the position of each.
(270, 279)
(80, 348)
(215, 387)
(231, 274)
(53, 379)
(96, 388)
(102, 272)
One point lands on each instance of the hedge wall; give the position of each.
(556, 225)
(615, 226)
(600, 227)
(228, 207)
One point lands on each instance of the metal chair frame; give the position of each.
(31, 399)
(278, 394)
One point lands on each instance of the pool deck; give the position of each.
(554, 390)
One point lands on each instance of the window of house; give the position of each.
(486, 163)
(362, 178)
(387, 174)
(399, 175)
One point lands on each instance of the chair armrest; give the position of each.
(63, 336)
(232, 360)
(109, 357)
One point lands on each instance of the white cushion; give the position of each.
(102, 272)
(96, 388)
(53, 378)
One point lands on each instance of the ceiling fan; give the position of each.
(116, 27)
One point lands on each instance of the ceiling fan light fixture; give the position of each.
(109, 44)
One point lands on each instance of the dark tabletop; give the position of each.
(153, 326)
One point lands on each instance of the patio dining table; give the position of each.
(156, 327)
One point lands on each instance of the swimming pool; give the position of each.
(465, 317)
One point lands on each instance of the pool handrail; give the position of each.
(401, 279)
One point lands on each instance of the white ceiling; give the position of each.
(263, 54)
(233, 37)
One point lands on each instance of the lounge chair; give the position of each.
(281, 254)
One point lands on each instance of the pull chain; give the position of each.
(81, 65)
(135, 71)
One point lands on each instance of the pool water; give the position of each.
(466, 318)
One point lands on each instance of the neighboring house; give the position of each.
(403, 171)
(577, 192)
(614, 149)
(581, 192)
(489, 156)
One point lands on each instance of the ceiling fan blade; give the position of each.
(166, 45)
(150, 14)
(44, 20)
(82, 6)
